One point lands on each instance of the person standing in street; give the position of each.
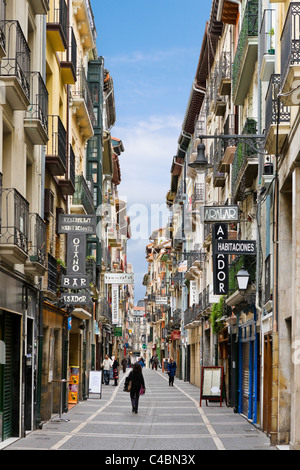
(171, 371)
(106, 364)
(137, 381)
(124, 364)
(115, 371)
(156, 361)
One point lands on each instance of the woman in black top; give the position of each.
(136, 376)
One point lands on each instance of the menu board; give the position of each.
(95, 384)
(212, 384)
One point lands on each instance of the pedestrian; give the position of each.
(106, 364)
(124, 364)
(137, 385)
(115, 371)
(156, 361)
(152, 362)
(171, 371)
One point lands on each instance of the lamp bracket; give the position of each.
(234, 139)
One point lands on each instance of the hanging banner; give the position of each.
(220, 262)
(193, 293)
(115, 304)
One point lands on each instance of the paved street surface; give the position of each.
(169, 419)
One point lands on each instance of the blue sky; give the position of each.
(151, 50)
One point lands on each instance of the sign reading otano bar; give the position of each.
(236, 247)
(73, 223)
(221, 214)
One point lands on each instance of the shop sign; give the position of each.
(73, 223)
(161, 300)
(235, 247)
(75, 282)
(119, 278)
(76, 254)
(220, 262)
(225, 214)
(76, 299)
(193, 293)
(175, 334)
(118, 331)
(115, 304)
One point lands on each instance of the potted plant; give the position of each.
(271, 34)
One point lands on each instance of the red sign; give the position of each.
(175, 334)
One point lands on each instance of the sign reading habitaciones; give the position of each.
(76, 227)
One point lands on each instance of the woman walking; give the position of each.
(171, 371)
(137, 381)
(115, 371)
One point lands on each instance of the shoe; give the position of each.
(136, 411)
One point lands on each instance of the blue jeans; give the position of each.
(106, 376)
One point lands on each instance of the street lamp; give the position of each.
(242, 279)
(201, 163)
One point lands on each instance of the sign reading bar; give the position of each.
(236, 247)
(221, 214)
(73, 223)
(75, 282)
(119, 278)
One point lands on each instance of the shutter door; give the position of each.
(245, 378)
(8, 377)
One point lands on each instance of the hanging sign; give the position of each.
(73, 223)
(220, 262)
(193, 293)
(235, 247)
(224, 214)
(76, 254)
(119, 278)
(115, 304)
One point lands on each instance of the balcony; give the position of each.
(84, 17)
(40, 7)
(14, 227)
(229, 147)
(2, 32)
(245, 163)
(68, 62)
(56, 150)
(36, 116)
(246, 53)
(66, 184)
(82, 105)
(190, 318)
(105, 313)
(15, 66)
(267, 45)
(271, 118)
(36, 265)
(290, 57)
(225, 67)
(218, 100)
(198, 195)
(249, 263)
(195, 264)
(82, 201)
(57, 21)
(219, 177)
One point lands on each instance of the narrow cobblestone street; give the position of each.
(169, 418)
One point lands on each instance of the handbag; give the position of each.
(142, 390)
(127, 385)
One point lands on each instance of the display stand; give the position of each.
(59, 418)
(95, 383)
(212, 384)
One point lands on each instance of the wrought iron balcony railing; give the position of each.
(225, 72)
(83, 194)
(81, 90)
(52, 274)
(37, 239)
(2, 32)
(37, 112)
(272, 105)
(15, 219)
(195, 256)
(56, 151)
(249, 29)
(57, 23)
(16, 63)
(68, 61)
(105, 309)
(290, 39)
